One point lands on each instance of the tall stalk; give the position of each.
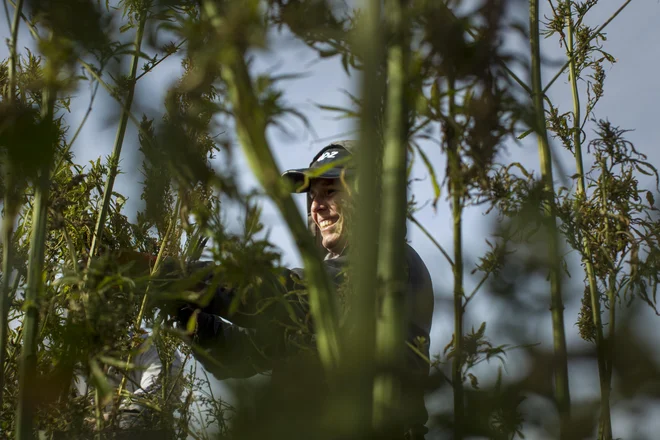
(456, 189)
(251, 127)
(605, 422)
(390, 327)
(360, 334)
(119, 141)
(608, 345)
(562, 394)
(7, 231)
(10, 209)
(12, 50)
(27, 394)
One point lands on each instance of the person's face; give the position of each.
(327, 196)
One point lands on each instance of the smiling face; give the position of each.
(327, 196)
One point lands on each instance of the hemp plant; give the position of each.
(69, 324)
(459, 96)
(84, 279)
(586, 70)
(466, 97)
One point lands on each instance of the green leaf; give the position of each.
(192, 322)
(649, 198)
(474, 381)
(117, 363)
(100, 381)
(482, 331)
(435, 96)
(347, 112)
(434, 177)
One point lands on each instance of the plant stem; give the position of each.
(27, 394)
(456, 189)
(608, 348)
(605, 422)
(611, 295)
(360, 337)
(12, 51)
(119, 140)
(153, 66)
(390, 326)
(9, 210)
(78, 130)
(433, 240)
(251, 128)
(98, 415)
(562, 394)
(5, 303)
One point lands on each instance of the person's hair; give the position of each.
(346, 209)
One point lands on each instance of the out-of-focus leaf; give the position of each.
(100, 381)
(117, 363)
(191, 325)
(434, 177)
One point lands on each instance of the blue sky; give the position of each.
(630, 101)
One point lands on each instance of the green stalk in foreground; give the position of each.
(360, 329)
(390, 326)
(608, 347)
(7, 230)
(562, 395)
(251, 129)
(605, 431)
(119, 141)
(9, 208)
(27, 394)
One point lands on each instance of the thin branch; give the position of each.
(584, 45)
(12, 50)
(177, 47)
(4, 3)
(433, 240)
(89, 68)
(119, 140)
(476, 289)
(80, 126)
(84, 119)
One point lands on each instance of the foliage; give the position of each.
(436, 80)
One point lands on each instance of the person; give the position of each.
(239, 341)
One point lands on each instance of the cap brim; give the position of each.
(302, 177)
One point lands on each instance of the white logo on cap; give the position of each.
(327, 155)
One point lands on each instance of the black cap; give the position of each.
(331, 162)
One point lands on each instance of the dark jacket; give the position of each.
(262, 331)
